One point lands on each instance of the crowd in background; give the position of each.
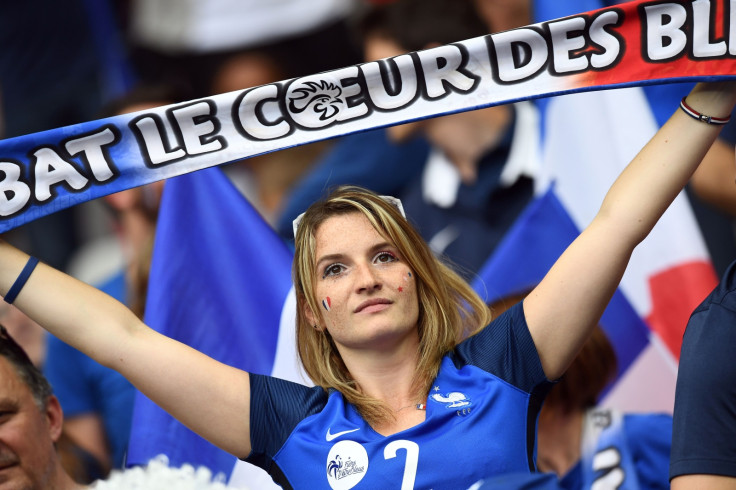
(68, 62)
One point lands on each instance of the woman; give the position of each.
(379, 321)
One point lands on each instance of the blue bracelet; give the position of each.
(21, 280)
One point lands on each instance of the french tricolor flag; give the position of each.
(220, 281)
(586, 141)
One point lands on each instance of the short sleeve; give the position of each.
(277, 406)
(505, 349)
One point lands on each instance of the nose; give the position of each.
(368, 280)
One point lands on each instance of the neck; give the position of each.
(388, 374)
(464, 138)
(559, 437)
(387, 378)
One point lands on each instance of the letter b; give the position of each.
(14, 194)
(665, 40)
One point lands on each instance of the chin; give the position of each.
(11, 479)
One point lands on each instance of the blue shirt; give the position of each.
(637, 454)
(481, 421)
(704, 430)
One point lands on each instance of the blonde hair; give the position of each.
(449, 309)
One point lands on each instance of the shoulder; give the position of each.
(724, 294)
(504, 348)
(282, 391)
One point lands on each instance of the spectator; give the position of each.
(263, 179)
(30, 424)
(98, 400)
(704, 430)
(174, 41)
(60, 62)
(572, 431)
(27, 333)
(476, 179)
(574, 436)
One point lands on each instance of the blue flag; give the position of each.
(530, 248)
(219, 280)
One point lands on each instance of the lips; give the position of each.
(7, 460)
(369, 304)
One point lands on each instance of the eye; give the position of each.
(333, 270)
(385, 257)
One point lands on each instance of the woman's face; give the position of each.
(366, 292)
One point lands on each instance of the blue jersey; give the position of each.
(623, 451)
(704, 428)
(481, 421)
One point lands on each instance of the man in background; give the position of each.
(30, 424)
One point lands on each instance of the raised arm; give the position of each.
(209, 397)
(714, 180)
(562, 310)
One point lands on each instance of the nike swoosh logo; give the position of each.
(330, 437)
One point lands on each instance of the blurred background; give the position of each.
(68, 62)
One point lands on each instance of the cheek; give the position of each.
(327, 303)
(332, 307)
(407, 283)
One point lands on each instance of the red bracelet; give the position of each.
(702, 117)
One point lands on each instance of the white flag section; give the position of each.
(589, 138)
(286, 363)
(286, 366)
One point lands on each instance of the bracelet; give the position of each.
(702, 117)
(21, 280)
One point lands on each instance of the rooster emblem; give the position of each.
(321, 98)
(334, 466)
(454, 399)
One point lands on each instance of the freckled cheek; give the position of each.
(327, 303)
(406, 284)
(332, 308)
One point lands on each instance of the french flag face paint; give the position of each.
(407, 278)
(327, 303)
